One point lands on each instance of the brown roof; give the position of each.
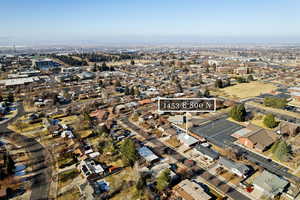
(145, 101)
(287, 127)
(189, 190)
(99, 114)
(261, 138)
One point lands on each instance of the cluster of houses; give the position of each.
(57, 128)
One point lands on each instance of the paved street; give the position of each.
(213, 180)
(278, 115)
(39, 159)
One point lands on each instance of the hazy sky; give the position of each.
(149, 20)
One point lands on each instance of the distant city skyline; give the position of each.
(36, 22)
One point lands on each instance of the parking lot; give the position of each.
(219, 131)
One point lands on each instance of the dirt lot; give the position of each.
(246, 90)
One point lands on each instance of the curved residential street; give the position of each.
(39, 157)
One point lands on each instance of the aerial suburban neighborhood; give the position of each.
(87, 125)
(150, 100)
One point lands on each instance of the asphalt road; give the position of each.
(278, 115)
(39, 159)
(210, 178)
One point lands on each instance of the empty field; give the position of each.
(246, 90)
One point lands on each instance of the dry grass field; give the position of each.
(246, 90)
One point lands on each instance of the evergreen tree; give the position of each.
(131, 91)
(207, 70)
(127, 92)
(206, 93)
(141, 183)
(104, 129)
(112, 68)
(132, 62)
(282, 151)
(129, 152)
(10, 97)
(228, 82)
(214, 67)
(219, 83)
(137, 92)
(238, 113)
(179, 88)
(95, 68)
(250, 78)
(199, 94)
(10, 165)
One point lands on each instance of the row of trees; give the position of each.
(132, 91)
(221, 84)
(240, 79)
(69, 60)
(103, 67)
(95, 57)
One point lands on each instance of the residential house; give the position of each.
(288, 128)
(167, 130)
(147, 154)
(236, 168)
(295, 93)
(158, 168)
(89, 167)
(101, 115)
(207, 152)
(86, 75)
(189, 190)
(177, 119)
(269, 184)
(187, 140)
(259, 140)
(242, 70)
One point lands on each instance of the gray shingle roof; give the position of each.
(271, 183)
(207, 151)
(231, 164)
